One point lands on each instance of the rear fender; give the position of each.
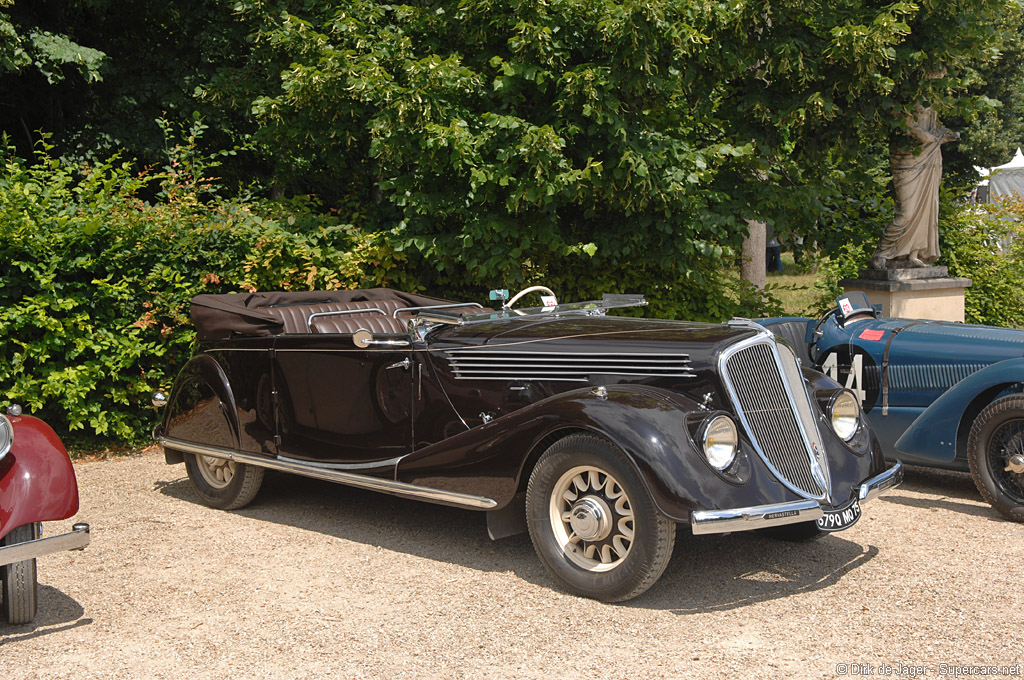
(933, 435)
(201, 408)
(37, 480)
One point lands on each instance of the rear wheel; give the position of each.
(592, 522)
(995, 451)
(222, 483)
(19, 585)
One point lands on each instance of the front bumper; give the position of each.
(777, 514)
(76, 539)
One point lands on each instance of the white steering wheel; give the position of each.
(531, 289)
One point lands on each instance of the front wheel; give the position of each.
(19, 585)
(995, 451)
(222, 483)
(592, 522)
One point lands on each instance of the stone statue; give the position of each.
(912, 238)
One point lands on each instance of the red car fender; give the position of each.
(37, 480)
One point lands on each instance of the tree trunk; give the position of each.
(753, 267)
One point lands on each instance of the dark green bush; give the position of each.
(985, 244)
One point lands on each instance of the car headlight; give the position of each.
(6, 436)
(844, 412)
(720, 442)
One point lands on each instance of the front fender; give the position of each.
(647, 424)
(37, 480)
(202, 406)
(933, 434)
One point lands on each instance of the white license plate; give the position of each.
(842, 518)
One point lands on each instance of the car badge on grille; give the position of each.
(819, 474)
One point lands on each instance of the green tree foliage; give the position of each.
(599, 143)
(39, 60)
(990, 137)
(25, 45)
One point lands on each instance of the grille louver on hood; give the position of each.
(486, 364)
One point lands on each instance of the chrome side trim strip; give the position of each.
(342, 466)
(363, 481)
(487, 364)
(567, 356)
(876, 486)
(754, 517)
(76, 539)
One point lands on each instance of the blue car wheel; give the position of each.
(996, 455)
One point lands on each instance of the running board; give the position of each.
(338, 476)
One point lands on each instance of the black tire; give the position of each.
(221, 483)
(630, 541)
(19, 585)
(801, 532)
(994, 447)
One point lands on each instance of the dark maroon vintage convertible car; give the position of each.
(596, 434)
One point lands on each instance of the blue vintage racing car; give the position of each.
(937, 393)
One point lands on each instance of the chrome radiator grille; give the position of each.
(477, 364)
(764, 405)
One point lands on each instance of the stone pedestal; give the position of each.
(913, 293)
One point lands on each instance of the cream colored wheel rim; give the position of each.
(592, 518)
(217, 472)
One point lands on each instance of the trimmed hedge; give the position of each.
(96, 281)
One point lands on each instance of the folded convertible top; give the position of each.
(219, 316)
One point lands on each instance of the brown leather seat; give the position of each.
(376, 319)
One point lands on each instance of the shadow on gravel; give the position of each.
(57, 613)
(945, 489)
(719, 573)
(945, 504)
(707, 573)
(948, 483)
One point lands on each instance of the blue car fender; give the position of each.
(935, 433)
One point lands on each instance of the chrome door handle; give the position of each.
(404, 363)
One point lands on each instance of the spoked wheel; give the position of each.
(592, 522)
(995, 451)
(592, 518)
(222, 483)
(19, 584)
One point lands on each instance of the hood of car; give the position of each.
(568, 331)
(588, 345)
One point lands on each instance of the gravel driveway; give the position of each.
(315, 580)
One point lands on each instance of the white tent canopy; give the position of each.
(1007, 180)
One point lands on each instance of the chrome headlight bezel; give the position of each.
(844, 414)
(6, 435)
(720, 442)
